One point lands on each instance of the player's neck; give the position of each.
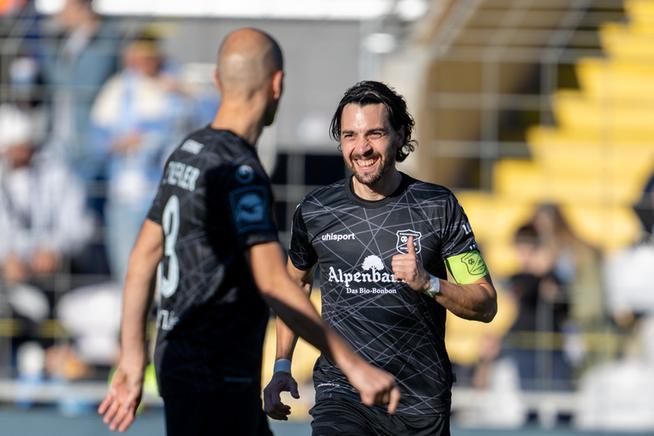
(241, 118)
(380, 190)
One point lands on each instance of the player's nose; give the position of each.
(363, 147)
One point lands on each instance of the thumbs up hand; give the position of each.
(408, 268)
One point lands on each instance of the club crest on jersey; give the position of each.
(403, 238)
(244, 174)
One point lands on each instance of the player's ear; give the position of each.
(278, 84)
(216, 80)
(401, 136)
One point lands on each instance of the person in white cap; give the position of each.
(43, 220)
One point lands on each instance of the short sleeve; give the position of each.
(301, 251)
(459, 248)
(457, 234)
(248, 198)
(156, 209)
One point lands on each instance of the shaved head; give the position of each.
(247, 60)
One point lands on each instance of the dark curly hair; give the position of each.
(372, 92)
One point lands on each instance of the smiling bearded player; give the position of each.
(383, 243)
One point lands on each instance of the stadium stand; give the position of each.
(596, 159)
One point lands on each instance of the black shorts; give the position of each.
(346, 417)
(235, 413)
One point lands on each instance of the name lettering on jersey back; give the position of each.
(181, 175)
(372, 273)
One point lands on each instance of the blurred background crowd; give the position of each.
(537, 114)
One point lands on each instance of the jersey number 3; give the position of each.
(169, 270)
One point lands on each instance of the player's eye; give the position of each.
(347, 135)
(376, 134)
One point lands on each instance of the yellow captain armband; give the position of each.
(467, 267)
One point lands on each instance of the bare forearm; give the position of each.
(120, 404)
(476, 301)
(137, 298)
(286, 338)
(139, 287)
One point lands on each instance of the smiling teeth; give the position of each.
(366, 163)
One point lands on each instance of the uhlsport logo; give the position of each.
(372, 273)
(403, 239)
(338, 237)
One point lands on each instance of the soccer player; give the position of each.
(211, 227)
(383, 243)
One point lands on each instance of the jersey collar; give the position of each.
(372, 204)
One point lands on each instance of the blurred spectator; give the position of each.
(26, 82)
(536, 283)
(576, 264)
(91, 315)
(43, 221)
(630, 302)
(542, 314)
(20, 69)
(198, 85)
(629, 292)
(19, 48)
(82, 58)
(11, 7)
(618, 396)
(645, 209)
(499, 380)
(136, 118)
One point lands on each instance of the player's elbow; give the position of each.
(272, 287)
(268, 290)
(272, 298)
(488, 311)
(487, 303)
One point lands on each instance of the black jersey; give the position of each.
(388, 323)
(214, 200)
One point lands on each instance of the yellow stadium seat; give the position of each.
(493, 217)
(594, 162)
(632, 42)
(640, 12)
(575, 111)
(603, 163)
(535, 183)
(558, 148)
(627, 141)
(617, 80)
(607, 227)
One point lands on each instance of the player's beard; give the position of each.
(385, 162)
